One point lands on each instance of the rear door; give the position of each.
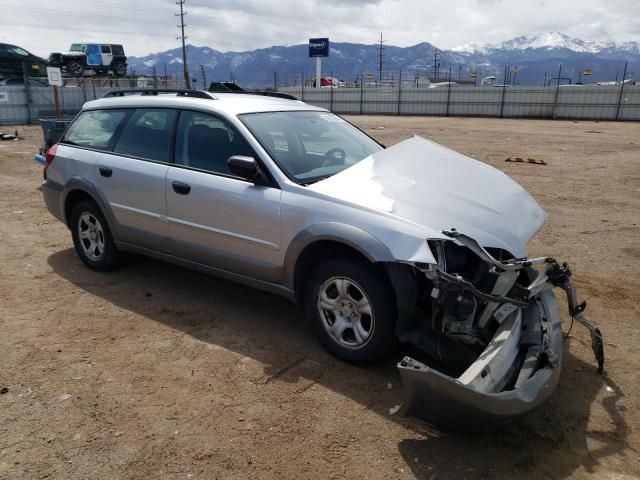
(132, 177)
(215, 218)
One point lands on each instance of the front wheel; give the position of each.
(352, 309)
(75, 68)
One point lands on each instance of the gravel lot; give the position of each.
(153, 371)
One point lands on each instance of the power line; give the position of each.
(183, 38)
(83, 29)
(89, 15)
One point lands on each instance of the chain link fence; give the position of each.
(32, 100)
(581, 102)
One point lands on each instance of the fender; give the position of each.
(358, 239)
(76, 183)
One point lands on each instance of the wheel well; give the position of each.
(317, 253)
(73, 198)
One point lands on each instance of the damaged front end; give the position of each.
(490, 333)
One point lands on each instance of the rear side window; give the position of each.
(105, 49)
(95, 128)
(148, 135)
(117, 50)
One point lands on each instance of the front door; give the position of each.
(106, 54)
(94, 55)
(215, 218)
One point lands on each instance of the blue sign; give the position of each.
(318, 47)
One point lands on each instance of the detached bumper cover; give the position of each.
(450, 405)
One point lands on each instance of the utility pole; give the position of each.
(204, 77)
(436, 64)
(183, 38)
(380, 56)
(624, 75)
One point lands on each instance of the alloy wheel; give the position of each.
(346, 312)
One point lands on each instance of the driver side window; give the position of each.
(206, 142)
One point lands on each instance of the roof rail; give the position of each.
(180, 92)
(286, 96)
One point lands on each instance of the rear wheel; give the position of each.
(92, 238)
(352, 309)
(119, 69)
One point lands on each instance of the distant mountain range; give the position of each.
(530, 56)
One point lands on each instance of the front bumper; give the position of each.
(519, 367)
(453, 406)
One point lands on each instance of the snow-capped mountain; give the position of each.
(535, 57)
(549, 41)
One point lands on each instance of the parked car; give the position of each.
(414, 243)
(443, 85)
(12, 58)
(99, 57)
(489, 81)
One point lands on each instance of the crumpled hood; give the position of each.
(437, 189)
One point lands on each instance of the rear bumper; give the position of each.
(52, 193)
(450, 405)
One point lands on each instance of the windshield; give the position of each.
(310, 146)
(77, 47)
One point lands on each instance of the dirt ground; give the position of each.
(153, 371)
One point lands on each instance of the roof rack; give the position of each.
(180, 92)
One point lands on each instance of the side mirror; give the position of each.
(243, 167)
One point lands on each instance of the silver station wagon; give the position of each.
(414, 246)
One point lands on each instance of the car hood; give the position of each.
(435, 188)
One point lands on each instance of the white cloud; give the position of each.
(43, 26)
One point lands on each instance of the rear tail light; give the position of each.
(50, 155)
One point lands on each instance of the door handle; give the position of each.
(181, 188)
(105, 171)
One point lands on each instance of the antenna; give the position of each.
(380, 57)
(183, 38)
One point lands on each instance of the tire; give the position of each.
(92, 238)
(75, 68)
(119, 69)
(336, 299)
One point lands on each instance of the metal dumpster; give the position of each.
(52, 129)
